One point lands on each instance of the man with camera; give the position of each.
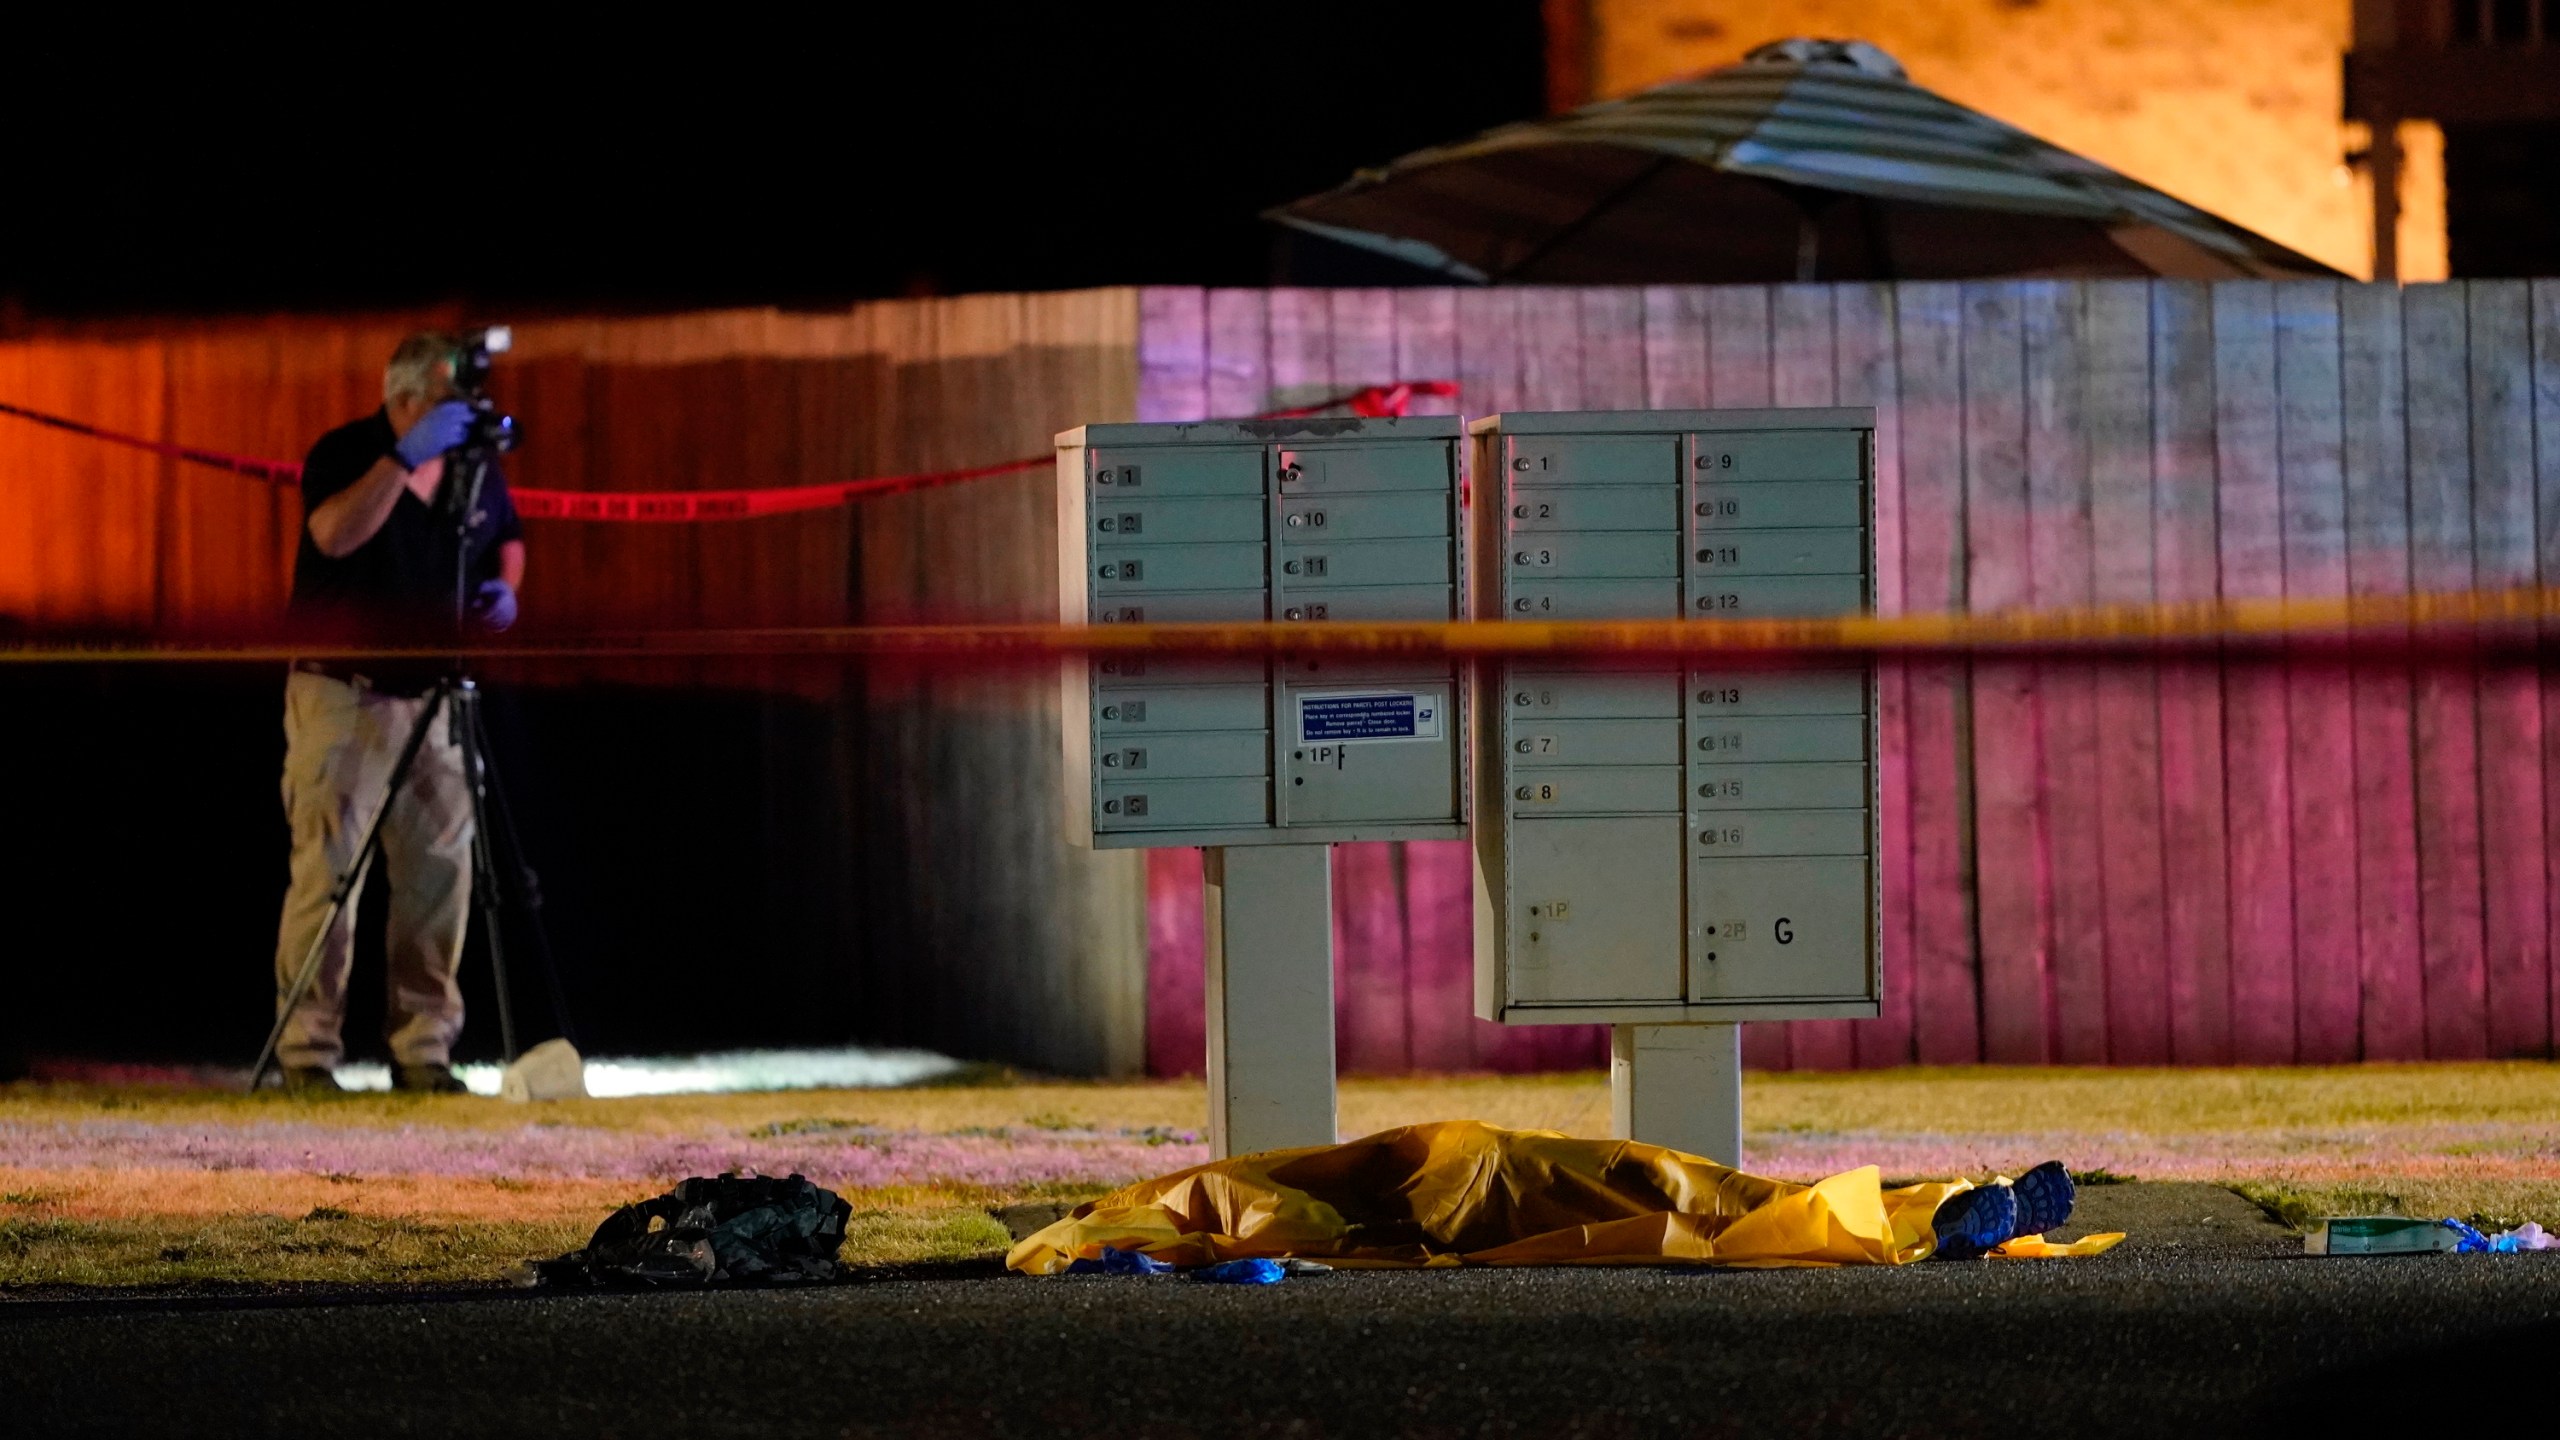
(378, 563)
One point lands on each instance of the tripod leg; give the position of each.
(507, 846)
(344, 892)
(470, 738)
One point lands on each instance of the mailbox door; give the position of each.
(1762, 597)
(1780, 929)
(1144, 472)
(1167, 709)
(1159, 520)
(1394, 515)
(1595, 911)
(1780, 552)
(1376, 753)
(1182, 804)
(1754, 833)
(1589, 695)
(1761, 455)
(1714, 695)
(1310, 472)
(1651, 509)
(1778, 787)
(1597, 556)
(1172, 607)
(1120, 570)
(1579, 461)
(1306, 564)
(1185, 756)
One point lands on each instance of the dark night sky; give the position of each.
(803, 163)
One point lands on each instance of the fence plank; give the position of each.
(1738, 346)
(2544, 302)
(2434, 321)
(1946, 983)
(2250, 543)
(1238, 361)
(1550, 348)
(1427, 345)
(1173, 347)
(1802, 368)
(1298, 326)
(1675, 347)
(2061, 559)
(2186, 567)
(2116, 400)
(2012, 864)
(1863, 350)
(2516, 959)
(1372, 983)
(1488, 351)
(1364, 338)
(2391, 984)
(2319, 699)
(1613, 348)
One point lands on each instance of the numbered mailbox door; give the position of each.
(1794, 928)
(1595, 905)
(1372, 753)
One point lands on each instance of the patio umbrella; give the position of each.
(1811, 159)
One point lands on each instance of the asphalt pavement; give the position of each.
(2209, 1322)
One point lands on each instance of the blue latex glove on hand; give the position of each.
(437, 431)
(493, 605)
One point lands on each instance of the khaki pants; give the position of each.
(341, 741)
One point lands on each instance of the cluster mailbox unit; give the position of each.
(1668, 852)
(1265, 763)
(1673, 851)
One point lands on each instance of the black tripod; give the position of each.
(494, 889)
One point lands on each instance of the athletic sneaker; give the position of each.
(1970, 1223)
(2045, 1195)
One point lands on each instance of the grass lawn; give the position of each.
(124, 1187)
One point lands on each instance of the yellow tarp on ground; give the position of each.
(1461, 1192)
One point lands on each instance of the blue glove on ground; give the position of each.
(493, 605)
(437, 431)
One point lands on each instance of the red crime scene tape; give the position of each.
(680, 507)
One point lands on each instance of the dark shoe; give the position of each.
(1973, 1222)
(311, 1080)
(2045, 1196)
(428, 1080)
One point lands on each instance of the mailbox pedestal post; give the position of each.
(1269, 911)
(1678, 1086)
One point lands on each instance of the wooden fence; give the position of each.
(2191, 863)
(909, 830)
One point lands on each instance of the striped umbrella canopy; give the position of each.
(1811, 159)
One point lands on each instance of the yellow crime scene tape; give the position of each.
(2468, 622)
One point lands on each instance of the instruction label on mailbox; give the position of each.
(1354, 719)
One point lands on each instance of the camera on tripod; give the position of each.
(492, 431)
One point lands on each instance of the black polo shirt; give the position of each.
(400, 582)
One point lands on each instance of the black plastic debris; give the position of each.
(732, 1230)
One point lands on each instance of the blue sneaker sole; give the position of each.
(2045, 1196)
(1970, 1224)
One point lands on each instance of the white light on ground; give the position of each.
(725, 1071)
